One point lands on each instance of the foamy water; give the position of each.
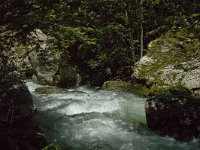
(91, 119)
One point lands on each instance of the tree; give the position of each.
(141, 31)
(22, 15)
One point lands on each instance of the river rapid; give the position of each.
(92, 119)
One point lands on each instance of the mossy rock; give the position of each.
(49, 90)
(140, 89)
(168, 60)
(117, 85)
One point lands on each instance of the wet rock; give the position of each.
(16, 104)
(67, 75)
(174, 115)
(116, 85)
(16, 112)
(49, 90)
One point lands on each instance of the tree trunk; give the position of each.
(141, 31)
(141, 40)
(130, 32)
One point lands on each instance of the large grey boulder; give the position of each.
(43, 59)
(50, 65)
(171, 62)
(39, 59)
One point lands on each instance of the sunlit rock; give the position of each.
(116, 85)
(170, 62)
(50, 65)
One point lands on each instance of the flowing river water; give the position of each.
(92, 119)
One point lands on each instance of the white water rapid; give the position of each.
(92, 119)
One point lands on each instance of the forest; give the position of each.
(109, 34)
(148, 47)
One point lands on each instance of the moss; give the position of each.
(48, 90)
(150, 69)
(171, 49)
(157, 90)
(117, 85)
(141, 90)
(21, 50)
(180, 42)
(161, 60)
(157, 87)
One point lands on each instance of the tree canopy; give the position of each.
(98, 35)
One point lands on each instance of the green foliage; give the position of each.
(98, 61)
(71, 35)
(97, 35)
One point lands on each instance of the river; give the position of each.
(92, 119)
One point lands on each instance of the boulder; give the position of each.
(16, 110)
(67, 75)
(172, 61)
(117, 85)
(16, 105)
(39, 59)
(49, 90)
(174, 115)
(50, 65)
(43, 59)
(170, 69)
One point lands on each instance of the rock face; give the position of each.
(49, 64)
(40, 60)
(172, 61)
(175, 115)
(44, 61)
